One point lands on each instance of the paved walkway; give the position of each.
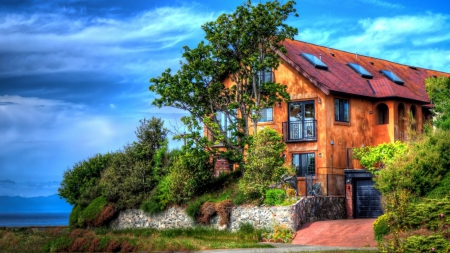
(280, 248)
(343, 233)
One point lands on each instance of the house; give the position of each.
(339, 101)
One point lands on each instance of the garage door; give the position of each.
(368, 204)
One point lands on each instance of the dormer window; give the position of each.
(318, 64)
(360, 70)
(391, 76)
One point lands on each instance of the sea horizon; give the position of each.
(33, 219)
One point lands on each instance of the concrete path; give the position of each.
(280, 248)
(355, 233)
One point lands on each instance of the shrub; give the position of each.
(274, 197)
(92, 212)
(107, 214)
(419, 243)
(194, 207)
(189, 173)
(159, 198)
(239, 198)
(264, 162)
(381, 227)
(82, 178)
(74, 217)
(60, 244)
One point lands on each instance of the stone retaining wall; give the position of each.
(293, 216)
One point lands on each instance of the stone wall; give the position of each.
(293, 216)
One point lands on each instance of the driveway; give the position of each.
(342, 233)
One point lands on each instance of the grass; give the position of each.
(149, 240)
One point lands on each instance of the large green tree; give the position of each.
(438, 90)
(242, 46)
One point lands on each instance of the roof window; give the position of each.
(314, 61)
(392, 76)
(360, 70)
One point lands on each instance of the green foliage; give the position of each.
(240, 46)
(75, 216)
(416, 222)
(438, 90)
(417, 243)
(60, 244)
(264, 162)
(127, 182)
(381, 227)
(274, 197)
(193, 207)
(372, 157)
(82, 178)
(442, 190)
(189, 173)
(420, 169)
(92, 211)
(430, 213)
(130, 178)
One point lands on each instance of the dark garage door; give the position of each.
(367, 199)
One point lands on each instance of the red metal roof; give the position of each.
(340, 78)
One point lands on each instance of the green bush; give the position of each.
(427, 213)
(159, 198)
(82, 177)
(189, 173)
(442, 190)
(274, 197)
(60, 244)
(381, 227)
(264, 162)
(92, 211)
(193, 208)
(75, 216)
(417, 243)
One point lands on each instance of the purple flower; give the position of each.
(442, 215)
(432, 249)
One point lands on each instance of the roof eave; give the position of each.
(311, 78)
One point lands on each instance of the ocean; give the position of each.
(34, 219)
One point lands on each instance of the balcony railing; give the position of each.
(300, 131)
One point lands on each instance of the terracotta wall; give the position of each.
(335, 138)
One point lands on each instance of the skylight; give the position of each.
(360, 70)
(392, 76)
(314, 61)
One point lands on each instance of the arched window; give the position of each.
(382, 114)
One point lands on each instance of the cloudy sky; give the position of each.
(74, 73)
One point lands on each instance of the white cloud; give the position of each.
(382, 4)
(46, 43)
(398, 39)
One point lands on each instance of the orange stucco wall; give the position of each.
(334, 138)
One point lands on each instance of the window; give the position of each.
(301, 124)
(360, 70)
(305, 164)
(341, 110)
(314, 61)
(382, 114)
(225, 122)
(391, 76)
(265, 76)
(266, 114)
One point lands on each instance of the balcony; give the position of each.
(297, 131)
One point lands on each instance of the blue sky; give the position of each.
(74, 74)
